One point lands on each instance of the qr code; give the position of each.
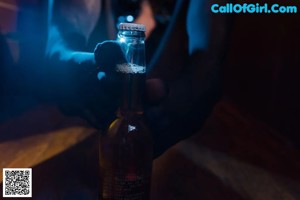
(17, 182)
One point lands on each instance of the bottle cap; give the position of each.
(132, 27)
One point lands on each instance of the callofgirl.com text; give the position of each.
(253, 8)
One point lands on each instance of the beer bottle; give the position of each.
(126, 148)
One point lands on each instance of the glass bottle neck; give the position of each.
(133, 47)
(133, 72)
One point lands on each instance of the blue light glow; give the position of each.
(130, 18)
(122, 40)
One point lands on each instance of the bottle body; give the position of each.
(126, 160)
(126, 148)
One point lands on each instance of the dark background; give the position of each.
(261, 68)
(261, 85)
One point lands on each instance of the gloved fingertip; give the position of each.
(101, 75)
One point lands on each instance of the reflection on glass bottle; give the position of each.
(126, 147)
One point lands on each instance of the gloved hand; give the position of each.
(102, 102)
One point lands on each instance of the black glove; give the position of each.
(104, 102)
(107, 55)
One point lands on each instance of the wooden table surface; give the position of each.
(36, 135)
(233, 157)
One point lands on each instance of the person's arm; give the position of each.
(70, 23)
(71, 71)
(194, 92)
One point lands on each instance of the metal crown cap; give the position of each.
(132, 27)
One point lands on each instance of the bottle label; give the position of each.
(129, 68)
(120, 186)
